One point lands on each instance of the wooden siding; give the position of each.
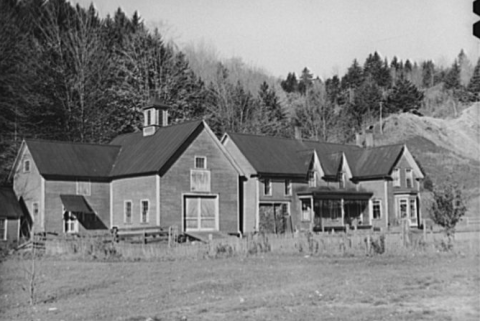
(28, 186)
(175, 183)
(99, 201)
(377, 187)
(135, 189)
(12, 226)
(250, 205)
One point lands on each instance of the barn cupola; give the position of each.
(155, 115)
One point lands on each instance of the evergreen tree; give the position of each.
(473, 88)
(428, 73)
(452, 79)
(404, 97)
(290, 84)
(305, 82)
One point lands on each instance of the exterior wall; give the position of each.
(403, 164)
(12, 232)
(296, 206)
(99, 201)
(377, 187)
(28, 186)
(134, 189)
(224, 178)
(250, 205)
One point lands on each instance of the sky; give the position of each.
(282, 36)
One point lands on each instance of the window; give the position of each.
(35, 210)
(403, 208)
(377, 209)
(128, 212)
(341, 182)
(71, 223)
(306, 209)
(312, 179)
(26, 166)
(3, 229)
(83, 188)
(409, 178)
(201, 162)
(144, 205)
(413, 212)
(396, 177)
(288, 187)
(267, 187)
(149, 117)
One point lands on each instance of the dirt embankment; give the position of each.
(446, 148)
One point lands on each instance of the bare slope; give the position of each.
(444, 147)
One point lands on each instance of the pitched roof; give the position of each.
(54, 158)
(140, 155)
(374, 161)
(274, 156)
(9, 205)
(126, 155)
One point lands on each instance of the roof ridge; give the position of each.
(160, 128)
(291, 139)
(69, 143)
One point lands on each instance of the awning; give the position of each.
(9, 205)
(338, 194)
(75, 203)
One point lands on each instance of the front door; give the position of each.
(201, 213)
(70, 222)
(407, 210)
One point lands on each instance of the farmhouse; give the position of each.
(177, 175)
(301, 184)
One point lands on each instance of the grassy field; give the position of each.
(272, 286)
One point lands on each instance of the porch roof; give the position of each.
(75, 203)
(324, 194)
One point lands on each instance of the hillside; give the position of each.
(445, 147)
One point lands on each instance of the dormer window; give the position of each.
(409, 178)
(200, 162)
(396, 177)
(26, 166)
(267, 187)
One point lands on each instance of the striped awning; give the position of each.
(75, 203)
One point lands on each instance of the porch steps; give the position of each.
(207, 236)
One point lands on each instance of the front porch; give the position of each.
(336, 209)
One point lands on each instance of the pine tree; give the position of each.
(404, 97)
(473, 88)
(290, 84)
(452, 79)
(305, 82)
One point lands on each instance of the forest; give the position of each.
(68, 74)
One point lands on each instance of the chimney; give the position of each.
(155, 115)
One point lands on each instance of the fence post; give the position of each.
(424, 231)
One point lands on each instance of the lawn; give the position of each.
(272, 286)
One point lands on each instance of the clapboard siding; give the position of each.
(175, 183)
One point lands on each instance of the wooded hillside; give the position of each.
(68, 74)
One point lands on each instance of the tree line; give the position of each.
(68, 74)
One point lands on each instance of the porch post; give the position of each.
(370, 211)
(342, 205)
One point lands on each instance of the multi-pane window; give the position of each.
(267, 187)
(3, 229)
(149, 117)
(377, 209)
(312, 179)
(83, 188)
(413, 211)
(403, 208)
(396, 177)
(26, 166)
(144, 211)
(288, 187)
(200, 162)
(409, 178)
(128, 212)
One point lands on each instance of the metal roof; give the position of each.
(55, 158)
(150, 154)
(274, 156)
(126, 155)
(9, 205)
(75, 203)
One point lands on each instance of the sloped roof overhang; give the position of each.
(337, 194)
(75, 203)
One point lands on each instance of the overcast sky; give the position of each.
(284, 36)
